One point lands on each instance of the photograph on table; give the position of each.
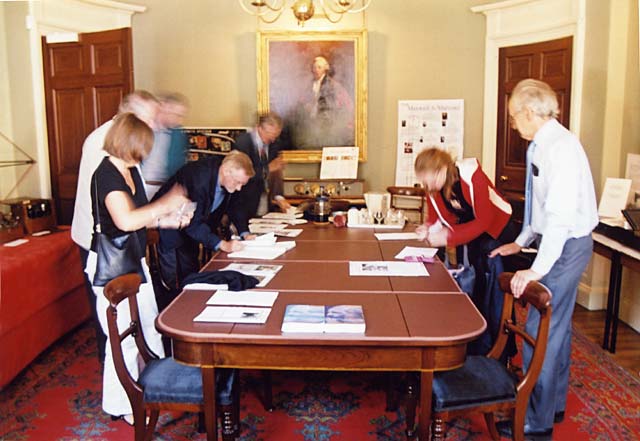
(317, 82)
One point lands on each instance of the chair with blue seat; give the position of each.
(484, 384)
(163, 383)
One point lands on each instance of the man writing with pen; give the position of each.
(213, 184)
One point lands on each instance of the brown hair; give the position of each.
(129, 138)
(239, 161)
(433, 160)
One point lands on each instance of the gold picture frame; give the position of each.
(327, 111)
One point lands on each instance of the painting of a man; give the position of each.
(312, 85)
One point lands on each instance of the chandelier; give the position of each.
(270, 10)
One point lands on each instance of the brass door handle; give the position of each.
(504, 178)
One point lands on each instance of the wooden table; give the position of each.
(422, 329)
(620, 256)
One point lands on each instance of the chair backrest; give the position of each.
(153, 239)
(537, 296)
(417, 193)
(116, 291)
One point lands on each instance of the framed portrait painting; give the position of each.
(317, 82)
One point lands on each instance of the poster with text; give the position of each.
(423, 124)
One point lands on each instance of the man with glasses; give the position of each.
(560, 213)
(213, 184)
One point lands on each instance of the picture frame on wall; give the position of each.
(317, 82)
(205, 141)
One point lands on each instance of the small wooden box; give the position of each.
(35, 214)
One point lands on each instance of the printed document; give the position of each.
(233, 314)
(387, 269)
(416, 252)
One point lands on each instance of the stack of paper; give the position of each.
(266, 228)
(238, 307)
(320, 318)
(293, 232)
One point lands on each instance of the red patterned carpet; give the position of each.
(58, 398)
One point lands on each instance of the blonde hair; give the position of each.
(239, 161)
(537, 96)
(129, 138)
(432, 160)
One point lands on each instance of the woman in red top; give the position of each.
(464, 208)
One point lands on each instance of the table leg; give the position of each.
(613, 295)
(412, 400)
(616, 308)
(209, 395)
(424, 420)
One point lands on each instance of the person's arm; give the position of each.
(127, 217)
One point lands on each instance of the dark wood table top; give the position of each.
(317, 276)
(324, 251)
(392, 318)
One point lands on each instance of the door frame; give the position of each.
(60, 21)
(519, 22)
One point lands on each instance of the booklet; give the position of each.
(265, 253)
(263, 272)
(294, 232)
(416, 252)
(387, 269)
(233, 314)
(266, 228)
(321, 318)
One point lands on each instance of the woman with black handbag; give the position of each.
(121, 215)
(464, 208)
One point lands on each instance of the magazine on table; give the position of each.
(324, 318)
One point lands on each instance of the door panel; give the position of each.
(84, 84)
(549, 61)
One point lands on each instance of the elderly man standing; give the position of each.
(560, 214)
(261, 145)
(142, 104)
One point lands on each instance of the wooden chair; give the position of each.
(163, 384)
(483, 383)
(413, 198)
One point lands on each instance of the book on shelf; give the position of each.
(324, 318)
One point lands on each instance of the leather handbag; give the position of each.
(464, 275)
(116, 255)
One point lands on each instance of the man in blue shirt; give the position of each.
(560, 214)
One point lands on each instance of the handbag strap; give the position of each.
(97, 227)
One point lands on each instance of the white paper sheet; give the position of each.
(243, 298)
(396, 236)
(339, 163)
(233, 314)
(15, 243)
(416, 252)
(287, 215)
(614, 197)
(387, 268)
(206, 286)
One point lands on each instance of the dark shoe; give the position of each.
(558, 417)
(504, 429)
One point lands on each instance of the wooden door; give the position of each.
(84, 84)
(549, 61)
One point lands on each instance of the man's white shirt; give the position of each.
(92, 155)
(564, 202)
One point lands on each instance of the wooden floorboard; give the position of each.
(591, 324)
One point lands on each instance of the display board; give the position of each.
(423, 124)
(205, 141)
